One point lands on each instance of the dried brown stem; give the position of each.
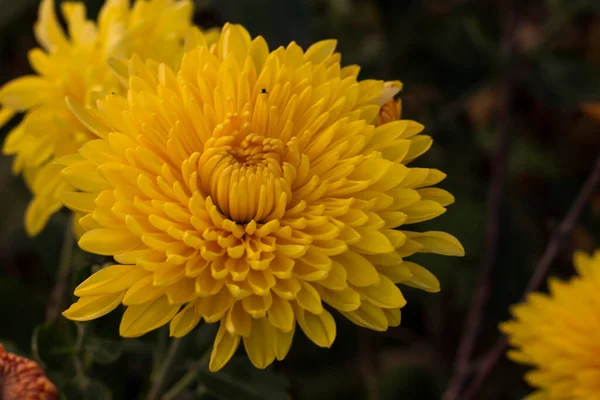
(494, 208)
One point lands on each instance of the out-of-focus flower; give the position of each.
(592, 109)
(248, 188)
(390, 111)
(75, 64)
(559, 335)
(23, 379)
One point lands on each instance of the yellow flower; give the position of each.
(23, 379)
(559, 335)
(76, 65)
(248, 188)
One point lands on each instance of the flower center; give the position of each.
(242, 172)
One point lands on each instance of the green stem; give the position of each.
(181, 385)
(162, 376)
(55, 303)
(76, 358)
(188, 378)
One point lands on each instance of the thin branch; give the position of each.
(367, 368)
(161, 378)
(189, 378)
(541, 270)
(57, 297)
(494, 208)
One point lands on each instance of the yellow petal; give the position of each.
(143, 291)
(336, 280)
(424, 210)
(422, 278)
(140, 319)
(281, 314)
(224, 348)
(393, 316)
(283, 342)
(393, 219)
(257, 306)
(47, 29)
(320, 51)
(6, 115)
(359, 271)
(79, 201)
(403, 197)
(308, 298)
(372, 242)
(39, 211)
(194, 39)
(238, 321)
(87, 117)
(397, 273)
(111, 279)
(182, 291)
(260, 344)
(259, 51)
(92, 307)
(346, 299)
(107, 242)
(369, 316)
(84, 176)
(439, 243)
(583, 264)
(213, 308)
(287, 288)
(28, 91)
(14, 140)
(384, 294)
(184, 321)
(319, 328)
(438, 195)
(419, 145)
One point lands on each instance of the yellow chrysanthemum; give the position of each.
(559, 335)
(76, 65)
(248, 188)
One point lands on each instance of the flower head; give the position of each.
(76, 65)
(23, 379)
(559, 334)
(249, 187)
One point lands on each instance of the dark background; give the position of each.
(459, 75)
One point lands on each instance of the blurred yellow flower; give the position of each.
(559, 335)
(23, 379)
(247, 188)
(76, 64)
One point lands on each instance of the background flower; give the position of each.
(23, 379)
(75, 64)
(558, 334)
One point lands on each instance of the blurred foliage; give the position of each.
(451, 55)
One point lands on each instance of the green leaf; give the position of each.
(240, 380)
(564, 81)
(103, 351)
(49, 346)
